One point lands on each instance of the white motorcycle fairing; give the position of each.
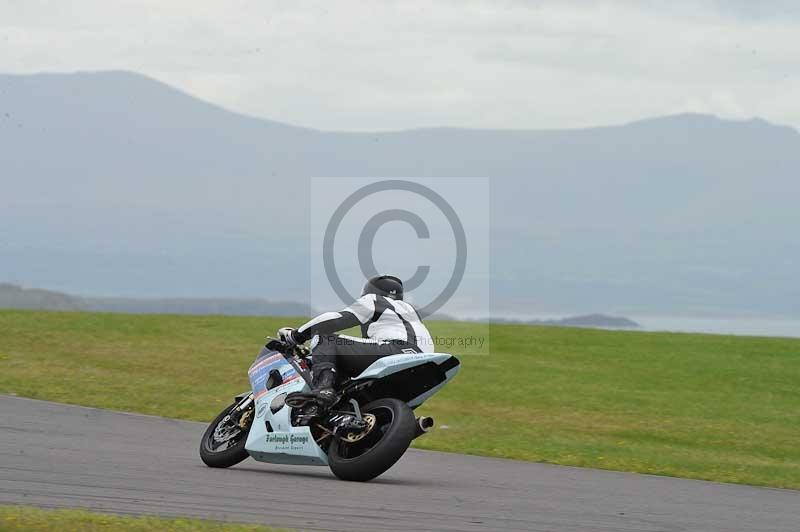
(272, 436)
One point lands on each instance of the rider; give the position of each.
(389, 326)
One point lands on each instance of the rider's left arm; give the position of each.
(358, 313)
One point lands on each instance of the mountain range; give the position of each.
(17, 297)
(115, 183)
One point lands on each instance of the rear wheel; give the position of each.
(382, 446)
(224, 439)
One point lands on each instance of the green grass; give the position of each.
(700, 406)
(28, 519)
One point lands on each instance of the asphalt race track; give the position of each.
(59, 455)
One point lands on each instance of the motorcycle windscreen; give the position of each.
(270, 369)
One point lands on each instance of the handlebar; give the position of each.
(300, 351)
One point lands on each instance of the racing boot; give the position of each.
(323, 391)
(316, 402)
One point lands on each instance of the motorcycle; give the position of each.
(361, 436)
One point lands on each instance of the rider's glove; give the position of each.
(287, 335)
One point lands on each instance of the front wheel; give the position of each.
(364, 459)
(224, 439)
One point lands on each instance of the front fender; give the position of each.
(242, 396)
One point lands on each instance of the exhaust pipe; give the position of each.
(424, 424)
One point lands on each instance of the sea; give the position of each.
(741, 326)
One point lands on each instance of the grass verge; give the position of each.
(700, 406)
(29, 519)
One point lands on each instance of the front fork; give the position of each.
(240, 415)
(244, 403)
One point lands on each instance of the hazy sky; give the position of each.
(385, 65)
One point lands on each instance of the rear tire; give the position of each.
(378, 452)
(219, 455)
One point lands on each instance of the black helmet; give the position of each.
(384, 285)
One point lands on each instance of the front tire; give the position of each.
(224, 440)
(381, 448)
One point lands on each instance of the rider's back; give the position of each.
(395, 320)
